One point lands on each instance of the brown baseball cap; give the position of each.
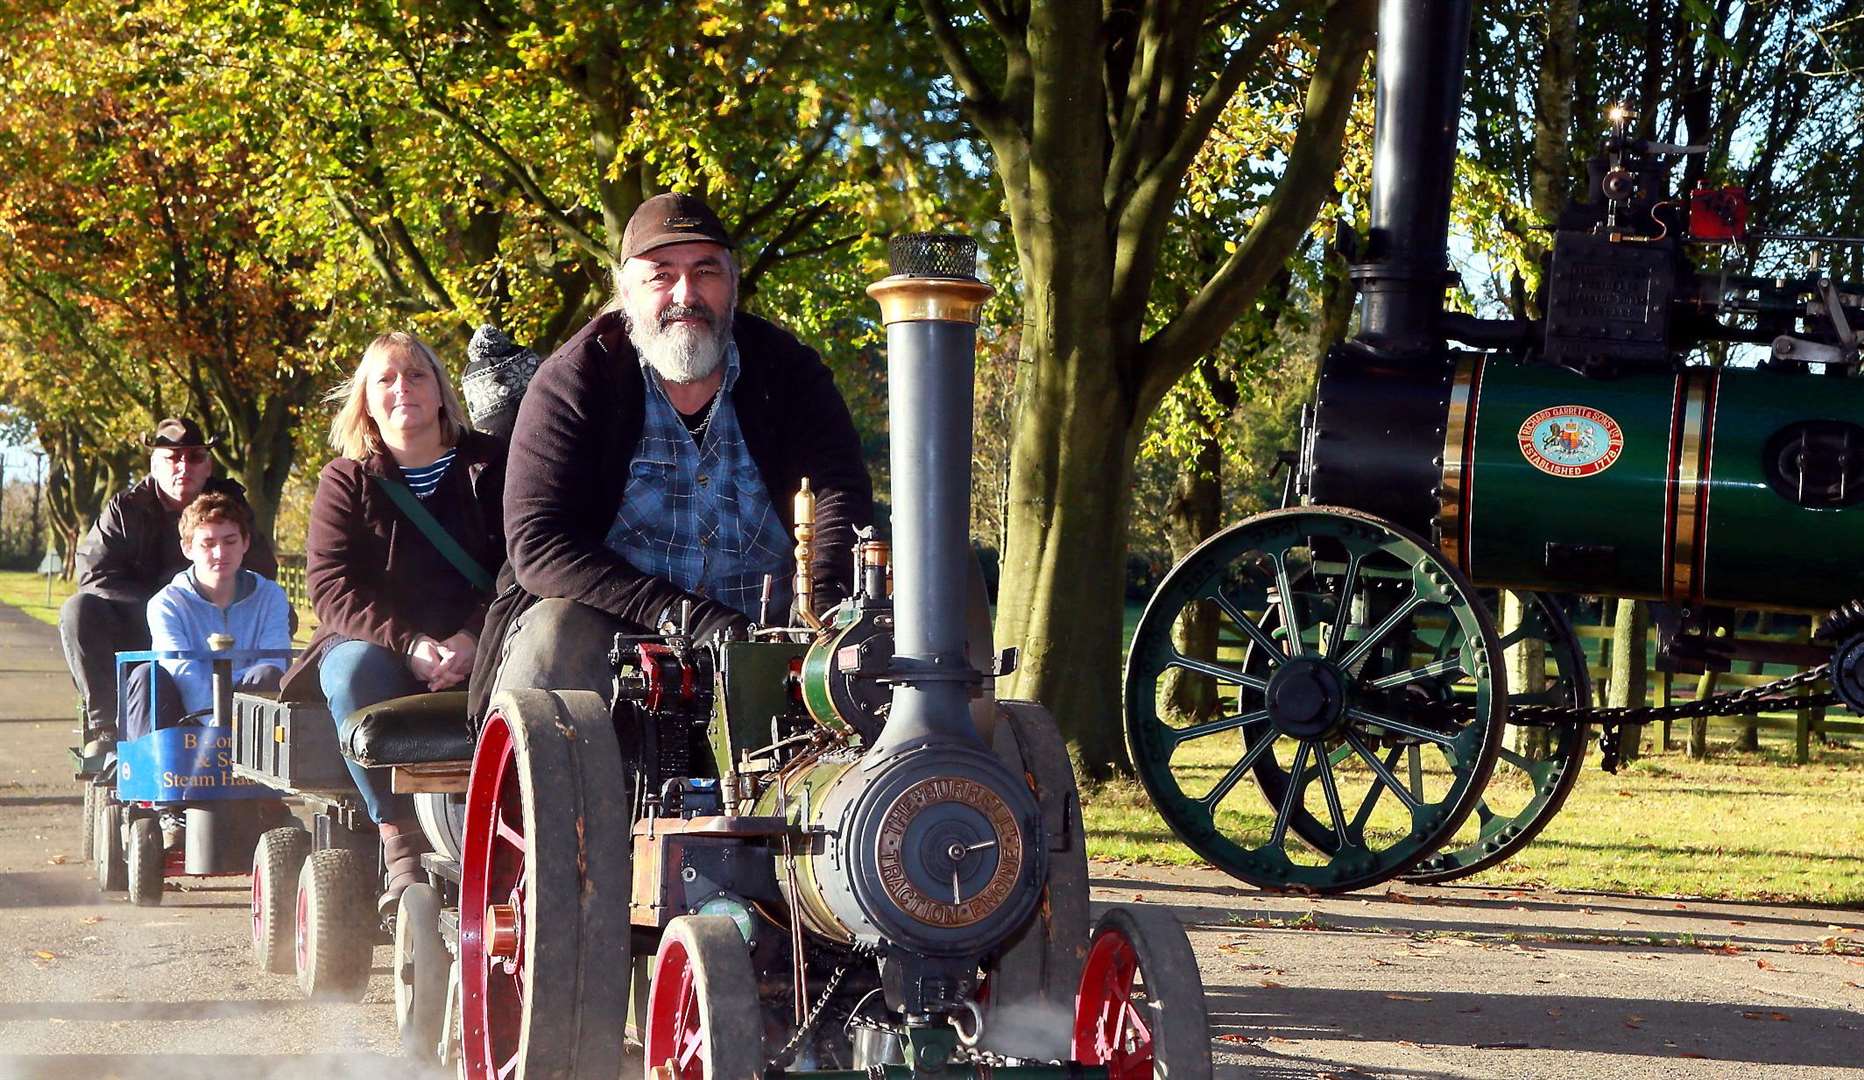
(672, 218)
(178, 432)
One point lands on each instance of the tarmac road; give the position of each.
(1417, 983)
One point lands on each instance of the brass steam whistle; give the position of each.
(804, 585)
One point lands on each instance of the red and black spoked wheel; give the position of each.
(544, 891)
(703, 1018)
(1140, 1010)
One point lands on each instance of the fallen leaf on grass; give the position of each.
(1406, 997)
(1773, 1015)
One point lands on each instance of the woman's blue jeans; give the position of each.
(356, 675)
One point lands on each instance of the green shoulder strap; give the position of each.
(435, 533)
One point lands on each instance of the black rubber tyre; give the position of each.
(547, 829)
(146, 856)
(112, 872)
(87, 842)
(335, 926)
(277, 860)
(1141, 1000)
(703, 1017)
(420, 968)
(1042, 961)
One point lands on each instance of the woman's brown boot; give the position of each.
(403, 844)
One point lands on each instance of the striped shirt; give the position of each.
(424, 480)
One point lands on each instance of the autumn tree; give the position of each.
(135, 226)
(1094, 117)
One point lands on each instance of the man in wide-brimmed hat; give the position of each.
(131, 552)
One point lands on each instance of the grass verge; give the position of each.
(1746, 826)
(26, 591)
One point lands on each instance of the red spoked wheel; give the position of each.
(1140, 1009)
(703, 1018)
(543, 942)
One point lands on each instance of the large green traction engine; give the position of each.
(826, 850)
(1386, 725)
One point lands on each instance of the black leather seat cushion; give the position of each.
(414, 730)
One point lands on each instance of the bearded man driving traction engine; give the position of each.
(653, 465)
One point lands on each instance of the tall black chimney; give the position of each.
(1421, 50)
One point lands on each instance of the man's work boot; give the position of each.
(403, 844)
(102, 744)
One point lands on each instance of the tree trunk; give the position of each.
(1063, 588)
(1527, 672)
(1194, 513)
(1699, 725)
(1630, 670)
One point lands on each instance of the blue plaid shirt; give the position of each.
(699, 515)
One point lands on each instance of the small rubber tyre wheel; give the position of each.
(277, 860)
(87, 836)
(421, 967)
(112, 871)
(146, 858)
(334, 937)
(703, 1018)
(1140, 1008)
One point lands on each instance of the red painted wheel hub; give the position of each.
(674, 1042)
(258, 904)
(1109, 1028)
(299, 936)
(493, 965)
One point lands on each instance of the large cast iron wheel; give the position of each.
(1140, 1007)
(1537, 763)
(703, 1018)
(1350, 641)
(544, 929)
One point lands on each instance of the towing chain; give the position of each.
(1748, 702)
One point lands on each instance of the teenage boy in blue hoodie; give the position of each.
(215, 595)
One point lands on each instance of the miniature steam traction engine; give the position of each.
(1584, 452)
(824, 849)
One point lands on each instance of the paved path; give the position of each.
(1451, 982)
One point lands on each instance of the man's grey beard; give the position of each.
(680, 353)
